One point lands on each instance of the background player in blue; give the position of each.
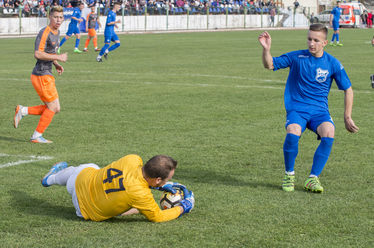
(74, 28)
(306, 100)
(109, 34)
(334, 23)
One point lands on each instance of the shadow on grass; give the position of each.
(11, 139)
(24, 203)
(214, 178)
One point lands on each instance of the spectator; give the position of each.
(296, 4)
(312, 18)
(180, 3)
(26, 9)
(272, 16)
(370, 19)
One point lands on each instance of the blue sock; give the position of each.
(290, 151)
(321, 155)
(114, 46)
(337, 37)
(103, 49)
(333, 37)
(62, 41)
(77, 43)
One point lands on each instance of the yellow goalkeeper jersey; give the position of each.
(114, 189)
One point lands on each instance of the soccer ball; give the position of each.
(169, 200)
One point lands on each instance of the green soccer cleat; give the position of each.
(59, 50)
(76, 50)
(288, 184)
(313, 184)
(339, 44)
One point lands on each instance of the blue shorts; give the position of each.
(112, 37)
(310, 120)
(73, 30)
(335, 26)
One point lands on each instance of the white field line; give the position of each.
(31, 160)
(190, 84)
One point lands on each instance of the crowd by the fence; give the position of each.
(139, 7)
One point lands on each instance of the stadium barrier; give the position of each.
(143, 20)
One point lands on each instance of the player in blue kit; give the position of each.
(109, 34)
(334, 23)
(306, 100)
(73, 28)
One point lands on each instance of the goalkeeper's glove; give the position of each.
(170, 187)
(188, 202)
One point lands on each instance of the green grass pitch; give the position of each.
(206, 100)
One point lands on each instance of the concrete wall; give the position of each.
(32, 25)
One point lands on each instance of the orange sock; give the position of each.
(95, 42)
(87, 42)
(45, 120)
(37, 110)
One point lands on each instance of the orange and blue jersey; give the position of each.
(46, 41)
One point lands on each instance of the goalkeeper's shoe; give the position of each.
(55, 168)
(59, 50)
(99, 59)
(313, 184)
(76, 50)
(18, 115)
(339, 44)
(288, 183)
(40, 139)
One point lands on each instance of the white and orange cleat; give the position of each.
(18, 115)
(40, 139)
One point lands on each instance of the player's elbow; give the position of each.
(37, 54)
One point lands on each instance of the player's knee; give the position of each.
(294, 129)
(57, 110)
(326, 129)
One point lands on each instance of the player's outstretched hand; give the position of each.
(188, 202)
(171, 187)
(350, 125)
(265, 40)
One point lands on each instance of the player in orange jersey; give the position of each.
(91, 22)
(120, 188)
(46, 44)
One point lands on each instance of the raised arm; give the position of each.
(265, 41)
(348, 104)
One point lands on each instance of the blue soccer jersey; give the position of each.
(109, 29)
(76, 14)
(336, 13)
(309, 80)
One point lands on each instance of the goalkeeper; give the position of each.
(121, 188)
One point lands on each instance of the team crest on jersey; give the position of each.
(321, 75)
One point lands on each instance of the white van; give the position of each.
(351, 13)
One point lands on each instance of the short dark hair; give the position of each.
(319, 28)
(159, 166)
